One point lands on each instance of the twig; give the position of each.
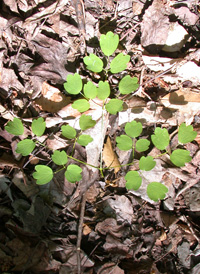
(80, 227)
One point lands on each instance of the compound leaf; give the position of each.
(109, 43)
(43, 174)
(86, 122)
(103, 91)
(160, 138)
(156, 191)
(186, 134)
(142, 145)
(74, 84)
(147, 163)
(128, 84)
(81, 105)
(73, 173)
(38, 126)
(180, 156)
(25, 147)
(84, 140)
(59, 157)
(93, 63)
(68, 131)
(114, 106)
(15, 127)
(119, 63)
(133, 180)
(133, 129)
(90, 90)
(124, 142)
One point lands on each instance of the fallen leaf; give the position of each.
(52, 100)
(110, 157)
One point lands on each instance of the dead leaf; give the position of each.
(52, 100)
(110, 157)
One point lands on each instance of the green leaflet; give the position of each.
(93, 63)
(133, 129)
(128, 84)
(103, 90)
(124, 142)
(73, 173)
(119, 63)
(15, 127)
(81, 105)
(160, 138)
(142, 145)
(43, 174)
(68, 131)
(180, 156)
(156, 191)
(109, 43)
(59, 157)
(90, 90)
(25, 147)
(147, 163)
(186, 134)
(133, 180)
(114, 106)
(74, 84)
(86, 122)
(84, 140)
(38, 126)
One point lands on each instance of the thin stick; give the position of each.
(80, 227)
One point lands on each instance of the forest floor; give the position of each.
(97, 225)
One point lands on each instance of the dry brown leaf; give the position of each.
(52, 100)
(181, 97)
(109, 156)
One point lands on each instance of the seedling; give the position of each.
(128, 141)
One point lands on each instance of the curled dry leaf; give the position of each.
(110, 157)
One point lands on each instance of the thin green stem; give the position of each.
(82, 162)
(166, 152)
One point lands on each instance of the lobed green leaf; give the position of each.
(43, 174)
(86, 122)
(180, 156)
(114, 106)
(128, 84)
(142, 145)
(133, 129)
(68, 131)
(74, 84)
(59, 157)
(147, 163)
(103, 91)
(84, 140)
(160, 138)
(124, 142)
(38, 126)
(81, 105)
(119, 63)
(93, 63)
(25, 147)
(73, 173)
(133, 180)
(90, 90)
(15, 127)
(186, 134)
(156, 191)
(109, 43)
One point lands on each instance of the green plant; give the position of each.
(128, 141)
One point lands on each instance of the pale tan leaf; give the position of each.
(109, 156)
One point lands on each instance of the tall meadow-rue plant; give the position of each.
(128, 141)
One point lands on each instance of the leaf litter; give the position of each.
(126, 232)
